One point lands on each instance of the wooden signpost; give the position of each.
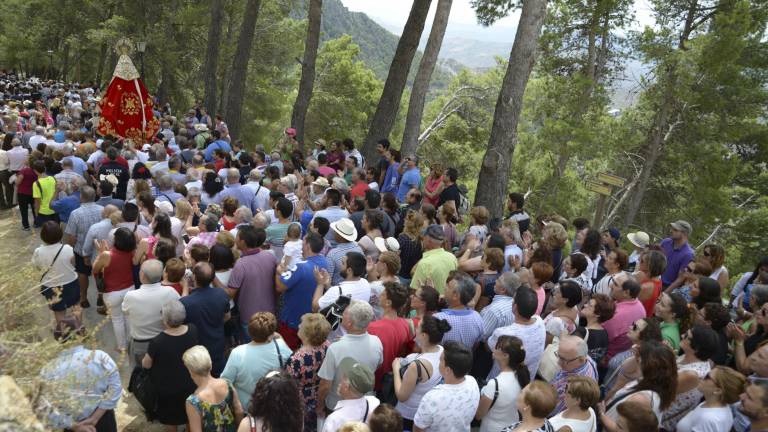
(603, 186)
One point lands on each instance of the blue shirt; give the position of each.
(216, 145)
(300, 281)
(677, 259)
(82, 381)
(78, 165)
(206, 308)
(169, 195)
(65, 206)
(391, 178)
(466, 326)
(411, 179)
(244, 195)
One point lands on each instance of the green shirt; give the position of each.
(44, 189)
(670, 332)
(276, 234)
(435, 264)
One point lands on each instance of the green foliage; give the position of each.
(345, 94)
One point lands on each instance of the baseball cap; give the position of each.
(682, 225)
(614, 232)
(360, 376)
(435, 231)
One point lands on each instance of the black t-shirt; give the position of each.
(168, 372)
(122, 174)
(451, 193)
(383, 165)
(752, 342)
(597, 343)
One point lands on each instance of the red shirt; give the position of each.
(175, 285)
(394, 335)
(651, 302)
(118, 275)
(358, 190)
(30, 177)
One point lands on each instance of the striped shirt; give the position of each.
(80, 221)
(334, 257)
(466, 326)
(497, 314)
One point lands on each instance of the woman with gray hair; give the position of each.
(164, 360)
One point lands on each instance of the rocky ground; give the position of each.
(16, 247)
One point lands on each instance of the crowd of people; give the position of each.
(309, 289)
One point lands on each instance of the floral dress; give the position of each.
(303, 366)
(216, 417)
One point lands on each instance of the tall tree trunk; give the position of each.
(307, 82)
(423, 76)
(389, 103)
(494, 172)
(212, 55)
(660, 130)
(226, 70)
(100, 66)
(240, 67)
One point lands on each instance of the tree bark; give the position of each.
(212, 56)
(240, 68)
(231, 24)
(494, 172)
(389, 103)
(660, 131)
(307, 83)
(423, 77)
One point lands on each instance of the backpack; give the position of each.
(464, 204)
(334, 311)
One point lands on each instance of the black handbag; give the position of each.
(334, 311)
(144, 390)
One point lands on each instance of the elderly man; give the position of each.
(38, 137)
(18, 156)
(165, 190)
(243, 216)
(208, 226)
(466, 323)
(143, 308)
(68, 176)
(357, 344)
(78, 165)
(80, 221)
(573, 357)
(436, 263)
(356, 381)
(65, 205)
(260, 192)
(624, 290)
(499, 312)
(287, 186)
(252, 280)
(354, 285)
(234, 189)
(161, 164)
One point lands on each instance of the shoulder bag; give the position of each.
(334, 311)
(52, 262)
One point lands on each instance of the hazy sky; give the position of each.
(462, 21)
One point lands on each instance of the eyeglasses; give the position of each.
(563, 359)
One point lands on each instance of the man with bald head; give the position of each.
(245, 196)
(143, 307)
(573, 357)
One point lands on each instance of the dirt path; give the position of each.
(16, 248)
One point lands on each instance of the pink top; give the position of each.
(431, 185)
(325, 171)
(541, 295)
(627, 312)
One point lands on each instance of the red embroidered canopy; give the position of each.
(126, 107)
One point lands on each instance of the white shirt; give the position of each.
(504, 411)
(159, 167)
(408, 408)
(588, 425)
(350, 410)
(143, 308)
(35, 140)
(261, 193)
(293, 250)
(17, 158)
(63, 270)
(5, 163)
(533, 336)
(603, 285)
(449, 407)
(357, 290)
(95, 157)
(706, 420)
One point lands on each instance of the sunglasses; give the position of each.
(635, 327)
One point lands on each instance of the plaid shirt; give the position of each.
(80, 221)
(497, 314)
(466, 326)
(334, 257)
